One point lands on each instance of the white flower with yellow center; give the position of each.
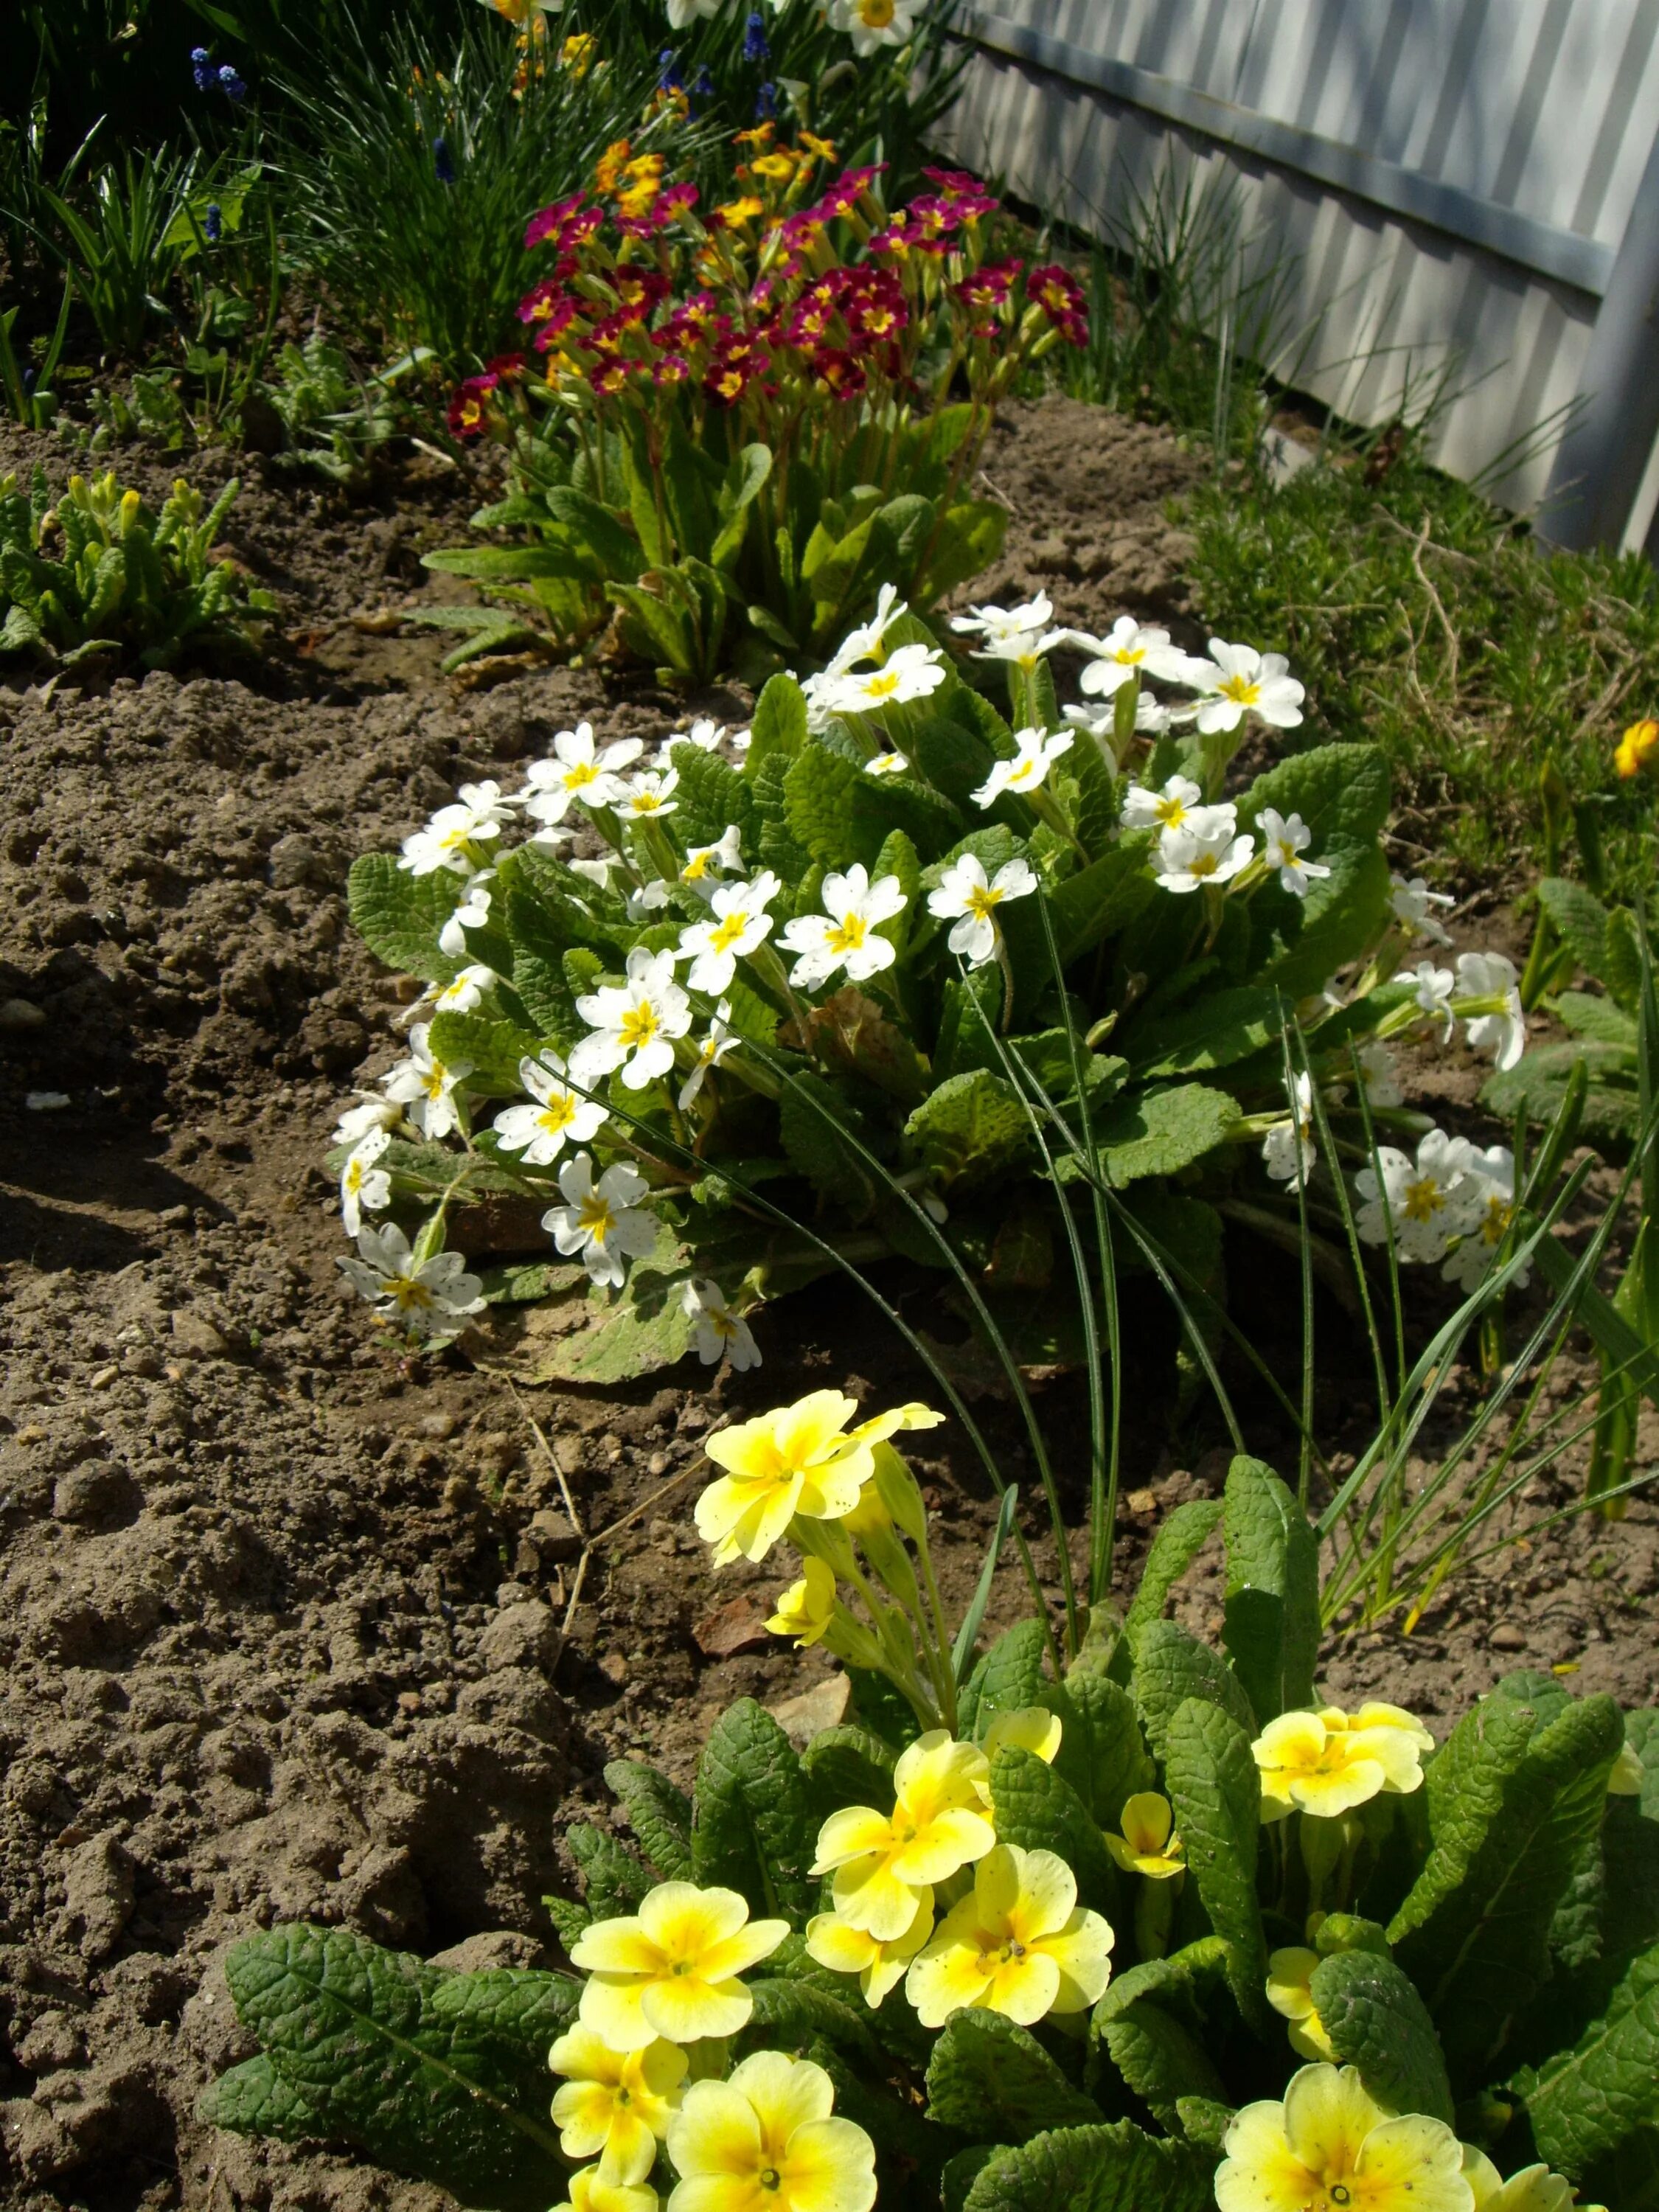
(704, 864)
(1330, 2145)
(455, 835)
(369, 1113)
(1422, 1198)
(602, 1222)
(1035, 754)
(873, 24)
(1435, 988)
(1178, 805)
(1502, 1030)
(364, 1187)
(1236, 680)
(424, 1295)
(1288, 1151)
(1007, 632)
(615, 2105)
(559, 1116)
(1019, 1944)
(879, 1966)
(847, 933)
(1131, 650)
(938, 1824)
(720, 1333)
(738, 925)
(673, 1969)
(634, 1024)
(1487, 1197)
(1283, 843)
(425, 1087)
(887, 764)
(909, 672)
(472, 913)
(1204, 854)
(720, 1039)
(868, 641)
(1379, 1074)
(971, 900)
(1410, 904)
(462, 993)
(648, 794)
(578, 770)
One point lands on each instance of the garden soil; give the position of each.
(282, 1615)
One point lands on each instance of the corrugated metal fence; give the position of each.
(1472, 181)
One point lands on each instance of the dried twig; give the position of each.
(551, 1457)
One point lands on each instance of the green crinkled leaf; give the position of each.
(659, 1813)
(1338, 790)
(1222, 1027)
(818, 796)
(492, 1049)
(961, 2172)
(1171, 1667)
(955, 759)
(1111, 1745)
(254, 2100)
(437, 2074)
(1101, 899)
(1510, 1803)
(711, 796)
(1180, 1974)
(1271, 1631)
(1585, 2103)
(969, 1129)
(1012, 1675)
(1612, 1104)
(645, 1329)
(779, 723)
(993, 2081)
(1158, 1133)
(1211, 1782)
(1580, 920)
(613, 1880)
(1597, 1018)
(811, 1114)
(1297, 944)
(1182, 1536)
(793, 2014)
(1377, 2022)
(1161, 2059)
(849, 1765)
(399, 916)
(570, 1920)
(1117, 2168)
(752, 1830)
(1038, 1809)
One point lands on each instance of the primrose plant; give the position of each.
(1162, 1927)
(894, 974)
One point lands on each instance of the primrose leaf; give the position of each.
(1338, 790)
(1271, 1631)
(818, 797)
(438, 2075)
(1222, 1027)
(849, 1765)
(254, 2099)
(613, 1880)
(1584, 2104)
(492, 1049)
(779, 723)
(993, 2081)
(1171, 1667)
(399, 916)
(797, 2014)
(711, 796)
(1216, 1794)
(1117, 2168)
(1377, 2022)
(752, 1829)
(1158, 1133)
(1010, 1675)
(1161, 2059)
(1110, 1748)
(1039, 1810)
(659, 1813)
(969, 1129)
(1180, 1539)
(811, 1116)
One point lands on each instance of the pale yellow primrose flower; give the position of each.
(1533, 2189)
(764, 2140)
(806, 1608)
(797, 1459)
(1032, 1728)
(879, 1965)
(1147, 1846)
(591, 2192)
(1330, 2145)
(1627, 1774)
(1290, 1975)
(1326, 1762)
(673, 1969)
(1019, 1945)
(938, 1824)
(616, 2104)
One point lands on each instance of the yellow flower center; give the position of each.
(1423, 1198)
(848, 933)
(558, 1116)
(1129, 656)
(645, 802)
(1497, 1220)
(1241, 688)
(882, 684)
(1172, 812)
(354, 1175)
(1202, 864)
(876, 15)
(583, 772)
(433, 1081)
(728, 932)
(639, 1024)
(594, 1216)
(770, 2178)
(408, 1292)
(982, 902)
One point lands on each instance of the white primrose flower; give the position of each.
(1435, 987)
(427, 1298)
(873, 24)
(1130, 650)
(645, 796)
(1153, 717)
(1202, 851)
(475, 819)
(847, 934)
(741, 740)
(1179, 806)
(968, 899)
(1288, 1151)
(866, 641)
(723, 858)
(576, 769)
(597, 873)
(1488, 1209)
(909, 672)
(1503, 1031)
(603, 1221)
(738, 925)
(1283, 844)
(1379, 1074)
(462, 993)
(705, 734)
(650, 898)
(721, 1039)
(559, 1116)
(1236, 680)
(472, 913)
(1411, 902)
(634, 1023)
(1034, 755)
(721, 1334)
(887, 764)
(370, 1113)
(1007, 626)
(364, 1187)
(425, 1087)
(1425, 1196)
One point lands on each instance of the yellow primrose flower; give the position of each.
(1032, 1727)
(777, 167)
(615, 2104)
(1019, 1945)
(879, 1965)
(1147, 1846)
(764, 2140)
(1326, 1763)
(579, 53)
(1330, 2145)
(1534, 2189)
(806, 1608)
(797, 1459)
(590, 2192)
(733, 212)
(938, 1824)
(1637, 748)
(672, 1970)
(1289, 1974)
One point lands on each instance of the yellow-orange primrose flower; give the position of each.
(806, 1609)
(1637, 748)
(1330, 2144)
(1533, 2189)
(938, 1824)
(797, 1459)
(615, 2105)
(591, 2192)
(1030, 1727)
(1290, 1992)
(1019, 1945)
(765, 2140)
(879, 1965)
(1327, 1761)
(673, 1969)
(1148, 1845)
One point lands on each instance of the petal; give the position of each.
(1326, 1795)
(842, 1949)
(813, 1426)
(942, 1979)
(1414, 2161)
(852, 1833)
(1048, 1896)
(868, 1895)
(685, 1921)
(715, 2131)
(786, 2092)
(951, 1839)
(1328, 2113)
(1083, 1954)
(615, 1946)
(1025, 1989)
(583, 2056)
(612, 2008)
(722, 1962)
(829, 2167)
(629, 2151)
(685, 2010)
(582, 2112)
